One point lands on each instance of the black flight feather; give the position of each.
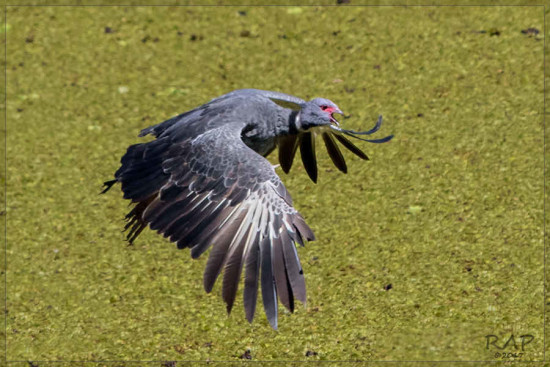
(218, 255)
(307, 151)
(334, 152)
(252, 270)
(293, 268)
(283, 290)
(348, 144)
(233, 267)
(288, 144)
(269, 292)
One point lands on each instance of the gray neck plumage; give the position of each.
(288, 122)
(262, 138)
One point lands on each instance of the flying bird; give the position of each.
(204, 181)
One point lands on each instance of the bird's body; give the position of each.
(204, 181)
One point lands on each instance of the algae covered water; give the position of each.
(421, 252)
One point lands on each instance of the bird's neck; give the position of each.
(287, 121)
(262, 138)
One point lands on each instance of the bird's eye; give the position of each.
(324, 107)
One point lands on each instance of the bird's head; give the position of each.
(317, 112)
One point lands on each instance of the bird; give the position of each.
(204, 181)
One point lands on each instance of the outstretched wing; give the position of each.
(282, 99)
(219, 192)
(288, 145)
(217, 110)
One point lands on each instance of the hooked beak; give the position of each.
(332, 119)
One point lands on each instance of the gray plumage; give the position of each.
(204, 181)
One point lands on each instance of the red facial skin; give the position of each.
(330, 111)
